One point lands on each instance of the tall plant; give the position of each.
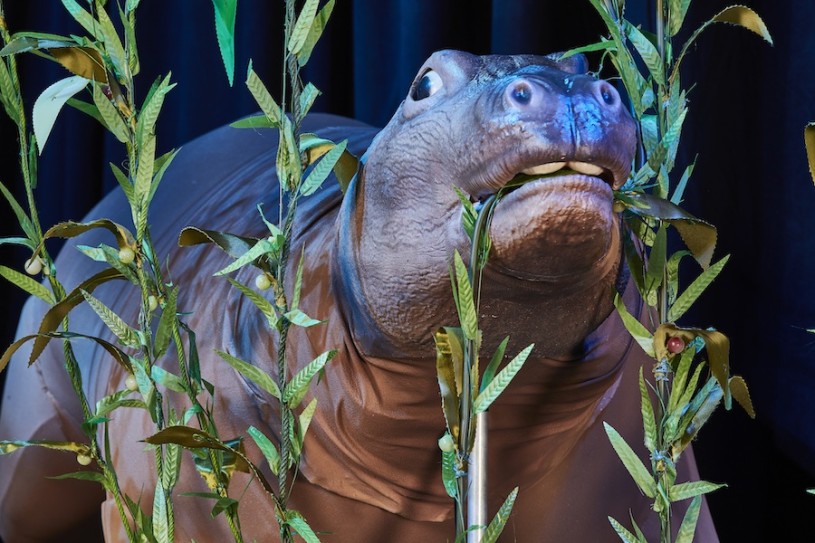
(680, 399)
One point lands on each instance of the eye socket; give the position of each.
(427, 86)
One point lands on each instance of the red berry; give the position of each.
(675, 345)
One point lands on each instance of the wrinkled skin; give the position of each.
(376, 269)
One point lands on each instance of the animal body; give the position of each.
(376, 270)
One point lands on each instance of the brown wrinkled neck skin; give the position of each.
(376, 270)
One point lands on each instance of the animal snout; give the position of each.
(605, 93)
(523, 94)
(529, 94)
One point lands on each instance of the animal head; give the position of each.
(477, 124)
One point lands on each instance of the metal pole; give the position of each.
(477, 482)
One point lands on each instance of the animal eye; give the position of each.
(427, 86)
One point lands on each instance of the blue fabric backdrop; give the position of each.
(746, 122)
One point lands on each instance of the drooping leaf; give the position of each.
(739, 391)
(695, 289)
(234, 246)
(809, 142)
(296, 388)
(500, 519)
(57, 313)
(49, 104)
(263, 247)
(225, 15)
(603, 45)
(501, 381)
(632, 462)
(253, 373)
(746, 18)
(116, 400)
(648, 420)
(28, 284)
(7, 447)
(71, 229)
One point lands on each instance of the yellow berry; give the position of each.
(152, 302)
(131, 383)
(33, 265)
(262, 281)
(126, 255)
(83, 459)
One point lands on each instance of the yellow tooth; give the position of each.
(543, 169)
(586, 168)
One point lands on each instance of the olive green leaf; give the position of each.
(166, 323)
(345, 168)
(166, 379)
(49, 104)
(692, 489)
(7, 447)
(299, 524)
(322, 169)
(225, 15)
(501, 381)
(151, 108)
(307, 97)
(114, 322)
(301, 29)
(746, 18)
(162, 523)
(688, 526)
(625, 535)
(632, 462)
(113, 120)
(93, 476)
(263, 98)
(809, 141)
(500, 519)
(296, 388)
(83, 18)
(264, 305)
(262, 247)
(267, 448)
(71, 229)
(234, 246)
(116, 400)
(495, 361)
(299, 318)
(695, 289)
(648, 420)
(253, 373)
(603, 45)
(655, 271)
(647, 51)
(676, 12)
(464, 298)
(680, 381)
(28, 284)
(637, 330)
(314, 33)
(9, 96)
(738, 389)
(253, 121)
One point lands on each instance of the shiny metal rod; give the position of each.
(477, 482)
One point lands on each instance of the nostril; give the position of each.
(521, 93)
(607, 93)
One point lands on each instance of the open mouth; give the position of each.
(550, 170)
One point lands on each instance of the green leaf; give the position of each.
(448, 473)
(168, 380)
(113, 45)
(299, 524)
(150, 111)
(264, 305)
(298, 281)
(254, 122)
(116, 400)
(648, 52)
(49, 104)
(93, 476)
(495, 361)
(500, 519)
(648, 420)
(304, 420)
(9, 96)
(263, 98)
(253, 373)
(681, 380)
(314, 33)
(113, 120)
(501, 381)
(142, 187)
(166, 324)
(225, 15)
(655, 271)
(677, 11)
(307, 97)
(262, 247)
(637, 330)
(688, 526)
(692, 489)
(28, 284)
(314, 147)
(83, 18)
(296, 388)
(7, 447)
(288, 163)
(632, 462)
(299, 318)
(809, 142)
(301, 29)
(603, 45)
(695, 289)
(672, 272)
(119, 327)
(625, 535)
(465, 302)
(322, 169)
(161, 522)
(267, 448)
(234, 246)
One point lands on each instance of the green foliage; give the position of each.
(650, 73)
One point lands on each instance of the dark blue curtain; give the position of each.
(747, 116)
